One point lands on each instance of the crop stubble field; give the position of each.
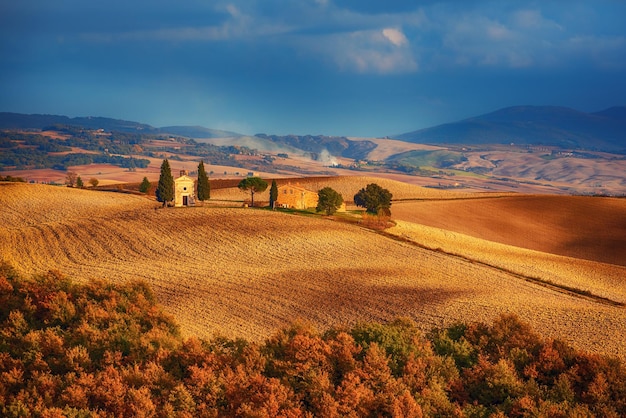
(576, 226)
(245, 273)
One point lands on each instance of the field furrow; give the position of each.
(245, 272)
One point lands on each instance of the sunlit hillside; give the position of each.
(584, 227)
(247, 272)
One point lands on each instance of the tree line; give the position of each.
(39, 157)
(32, 150)
(100, 349)
(373, 198)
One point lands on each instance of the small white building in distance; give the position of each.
(184, 190)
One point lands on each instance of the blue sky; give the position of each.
(333, 67)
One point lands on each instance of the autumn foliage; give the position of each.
(99, 349)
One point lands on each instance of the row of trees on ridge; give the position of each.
(72, 179)
(373, 198)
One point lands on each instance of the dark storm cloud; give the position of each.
(324, 66)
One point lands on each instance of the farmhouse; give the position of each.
(297, 197)
(184, 190)
(294, 196)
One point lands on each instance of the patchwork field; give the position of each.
(246, 272)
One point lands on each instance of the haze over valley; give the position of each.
(527, 149)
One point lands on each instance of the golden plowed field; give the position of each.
(246, 272)
(575, 226)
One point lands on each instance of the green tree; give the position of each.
(165, 188)
(273, 194)
(329, 200)
(373, 198)
(254, 185)
(79, 182)
(145, 185)
(204, 188)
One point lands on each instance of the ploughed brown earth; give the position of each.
(590, 228)
(248, 272)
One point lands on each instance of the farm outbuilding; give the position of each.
(295, 196)
(184, 194)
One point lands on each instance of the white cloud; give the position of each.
(517, 38)
(375, 51)
(498, 32)
(441, 34)
(533, 19)
(395, 36)
(233, 11)
(511, 40)
(377, 62)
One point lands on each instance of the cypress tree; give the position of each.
(273, 194)
(204, 188)
(165, 188)
(145, 185)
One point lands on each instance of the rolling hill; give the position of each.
(523, 125)
(482, 165)
(581, 227)
(245, 272)
(10, 120)
(533, 125)
(22, 121)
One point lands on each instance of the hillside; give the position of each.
(324, 148)
(18, 121)
(573, 226)
(245, 273)
(22, 121)
(103, 349)
(533, 125)
(43, 148)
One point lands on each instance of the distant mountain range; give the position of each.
(21, 121)
(528, 125)
(523, 125)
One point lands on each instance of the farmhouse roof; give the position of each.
(184, 178)
(294, 186)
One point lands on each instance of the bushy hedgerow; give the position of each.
(100, 349)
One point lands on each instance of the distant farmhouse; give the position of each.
(184, 187)
(297, 197)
